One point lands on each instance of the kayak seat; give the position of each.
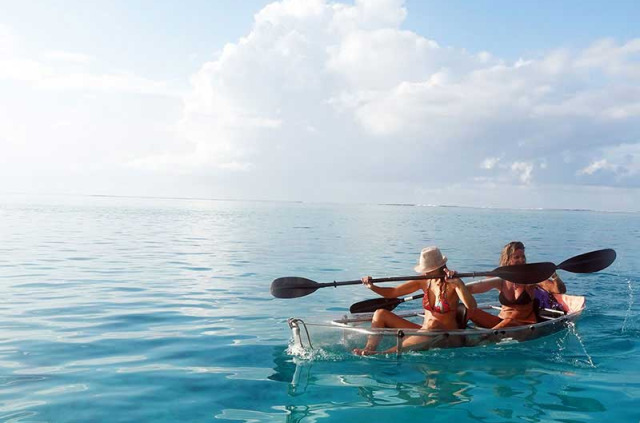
(461, 316)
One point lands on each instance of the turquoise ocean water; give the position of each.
(148, 310)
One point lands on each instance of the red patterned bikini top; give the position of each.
(441, 305)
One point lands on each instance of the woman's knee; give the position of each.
(380, 315)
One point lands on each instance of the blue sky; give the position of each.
(514, 29)
(483, 103)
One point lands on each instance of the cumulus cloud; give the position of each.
(609, 57)
(386, 97)
(523, 171)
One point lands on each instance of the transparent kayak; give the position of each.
(351, 331)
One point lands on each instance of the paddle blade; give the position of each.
(368, 306)
(292, 287)
(526, 274)
(589, 262)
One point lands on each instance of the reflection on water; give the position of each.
(484, 385)
(436, 387)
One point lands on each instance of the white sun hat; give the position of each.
(430, 259)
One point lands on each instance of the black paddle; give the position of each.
(294, 287)
(589, 262)
(584, 263)
(368, 306)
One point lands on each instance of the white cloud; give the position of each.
(596, 166)
(386, 96)
(382, 59)
(65, 125)
(621, 160)
(490, 163)
(611, 58)
(523, 171)
(7, 40)
(23, 70)
(113, 83)
(66, 56)
(15, 66)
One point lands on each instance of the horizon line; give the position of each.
(394, 204)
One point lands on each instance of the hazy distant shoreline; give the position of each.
(145, 197)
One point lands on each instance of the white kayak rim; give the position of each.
(352, 331)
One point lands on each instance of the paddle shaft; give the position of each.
(418, 296)
(294, 287)
(405, 278)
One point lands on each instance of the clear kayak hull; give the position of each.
(352, 331)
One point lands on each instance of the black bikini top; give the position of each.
(523, 299)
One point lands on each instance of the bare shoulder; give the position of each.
(457, 282)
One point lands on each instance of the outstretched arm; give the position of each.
(553, 285)
(485, 285)
(393, 292)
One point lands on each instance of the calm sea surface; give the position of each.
(141, 310)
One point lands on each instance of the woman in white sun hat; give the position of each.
(440, 301)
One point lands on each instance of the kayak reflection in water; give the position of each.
(519, 302)
(441, 298)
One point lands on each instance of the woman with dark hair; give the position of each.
(517, 300)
